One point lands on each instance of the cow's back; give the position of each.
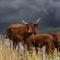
(58, 37)
(16, 30)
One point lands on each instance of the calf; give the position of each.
(41, 40)
(56, 40)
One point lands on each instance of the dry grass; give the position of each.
(7, 53)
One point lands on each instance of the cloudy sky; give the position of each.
(31, 10)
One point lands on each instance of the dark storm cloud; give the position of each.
(56, 0)
(13, 10)
(21, 8)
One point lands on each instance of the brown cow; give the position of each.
(41, 40)
(56, 40)
(16, 32)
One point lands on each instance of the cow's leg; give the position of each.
(53, 47)
(58, 50)
(14, 47)
(27, 46)
(30, 48)
(36, 48)
(50, 52)
(49, 45)
(14, 44)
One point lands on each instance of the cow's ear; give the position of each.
(35, 25)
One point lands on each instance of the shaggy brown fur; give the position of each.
(16, 32)
(56, 40)
(41, 40)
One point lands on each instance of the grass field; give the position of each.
(7, 53)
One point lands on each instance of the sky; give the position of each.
(31, 10)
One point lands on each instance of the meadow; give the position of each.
(7, 53)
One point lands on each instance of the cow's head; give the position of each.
(31, 27)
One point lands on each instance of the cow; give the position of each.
(39, 40)
(16, 32)
(56, 40)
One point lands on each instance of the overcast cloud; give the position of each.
(15, 10)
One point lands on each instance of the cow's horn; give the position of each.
(24, 22)
(38, 20)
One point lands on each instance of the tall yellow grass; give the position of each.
(7, 53)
